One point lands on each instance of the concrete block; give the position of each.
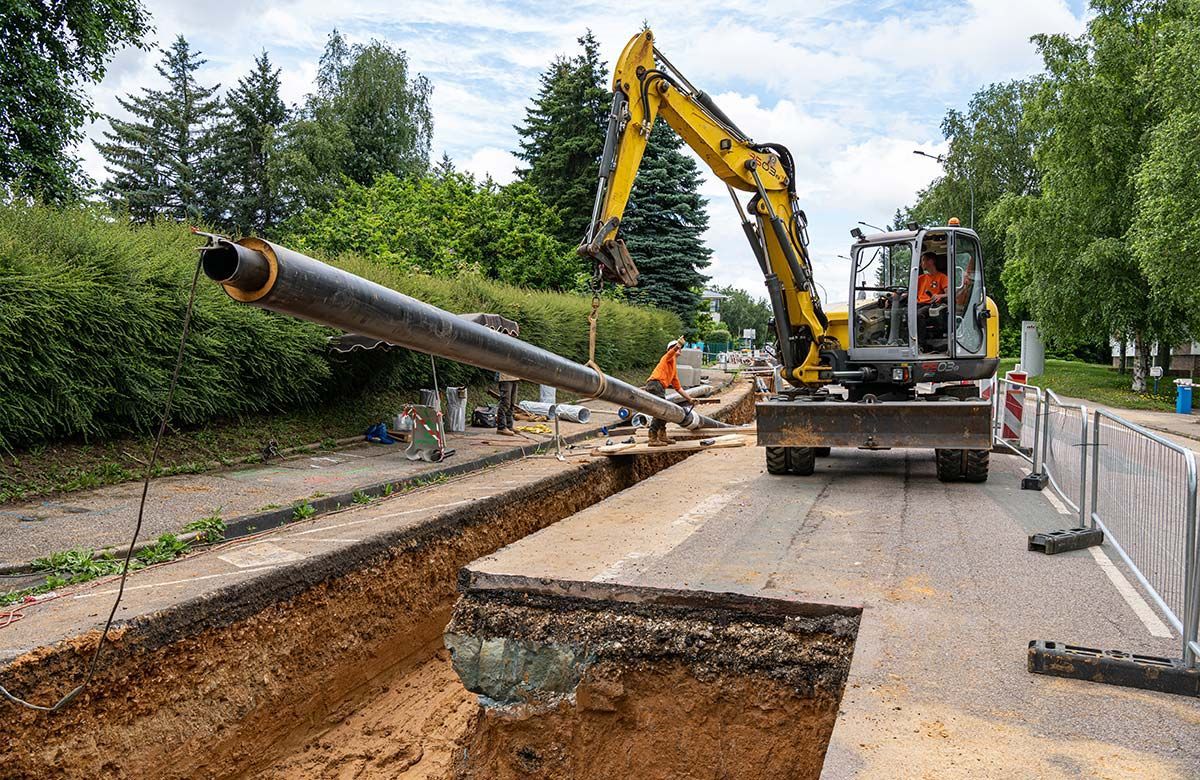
(691, 357)
(687, 375)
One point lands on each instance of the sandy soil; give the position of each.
(410, 724)
(657, 723)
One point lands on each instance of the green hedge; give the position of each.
(90, 312)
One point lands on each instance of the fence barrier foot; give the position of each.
(1035, 481)
(1067, 539)
(1115, 667)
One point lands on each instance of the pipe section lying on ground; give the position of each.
(568, 412)
(276, 278)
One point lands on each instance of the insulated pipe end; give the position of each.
(246, 269)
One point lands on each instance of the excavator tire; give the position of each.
(950, 464)
(777, 460)
(822, 452)
(802, 460)
(975, 465)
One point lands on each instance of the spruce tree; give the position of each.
(563, 135)
(664, 225)
(241, 191)
(156, 159)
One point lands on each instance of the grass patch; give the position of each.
(1100, 384)
(71, 567)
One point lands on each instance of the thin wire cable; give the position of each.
(162, 428)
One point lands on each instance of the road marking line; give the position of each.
(377, 518)
(1134, 599)
(1053, 499)
(175, 582)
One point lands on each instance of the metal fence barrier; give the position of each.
(1136, 486)
(1016, 413)
(1063, 430)
(1144, 499)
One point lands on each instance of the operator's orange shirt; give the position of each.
(929, 285)
(665, 371)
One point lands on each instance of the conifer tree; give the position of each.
(664, 225)
(563, 135)
(240, 190)
(156, 158)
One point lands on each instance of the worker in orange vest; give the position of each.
(663, 376)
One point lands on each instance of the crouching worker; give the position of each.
(664, 376)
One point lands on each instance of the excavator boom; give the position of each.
(646, 88)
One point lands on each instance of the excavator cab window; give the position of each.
(969, 301)
(881, 279)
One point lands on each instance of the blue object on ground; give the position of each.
(377, 434)
(1183, 399)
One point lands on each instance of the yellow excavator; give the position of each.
(890, 368)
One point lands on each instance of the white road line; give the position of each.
(1059, 506)
(1134, 599)
(175, 582)
(376, 518)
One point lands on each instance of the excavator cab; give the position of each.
(918, 309)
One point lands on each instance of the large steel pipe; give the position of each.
(276, 278)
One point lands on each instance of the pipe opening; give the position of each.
(220, 262)
(237, 266)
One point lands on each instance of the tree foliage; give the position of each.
(1166, 227)
(244, 191)
(990, 155)
(157, 159)
(740, 311)
(445, 225)
(51, 51)
(563, 135)
(1069, 245)
(664, 226)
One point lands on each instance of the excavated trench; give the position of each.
(337, 669)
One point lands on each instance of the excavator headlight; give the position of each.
(900, 374)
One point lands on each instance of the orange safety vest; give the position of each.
(929, 285)
(665, 371)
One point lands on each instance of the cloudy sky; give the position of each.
(852, 88)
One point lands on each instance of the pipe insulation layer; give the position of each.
(568, 412)
(273, 277)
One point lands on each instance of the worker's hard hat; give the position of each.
(954, 221)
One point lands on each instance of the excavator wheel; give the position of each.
(802, 460)
(949, 465)
(822, 452)
(975, 465)
(777, 461)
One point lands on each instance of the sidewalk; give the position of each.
(1183, 429)
(256, 497)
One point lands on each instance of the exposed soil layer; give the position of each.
(315, 653)
(656, 722)
(729, 687)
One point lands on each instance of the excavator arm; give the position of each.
(646, 87)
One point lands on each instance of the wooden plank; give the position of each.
(720, 442)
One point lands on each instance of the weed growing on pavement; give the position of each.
(303, 511)
(388, 489)
(209, 530)
(361, 497)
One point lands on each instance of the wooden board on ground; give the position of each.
(699, 433)
(641, 448)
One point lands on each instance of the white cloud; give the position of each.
(491, 161)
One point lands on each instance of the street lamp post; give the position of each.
(941, 158)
